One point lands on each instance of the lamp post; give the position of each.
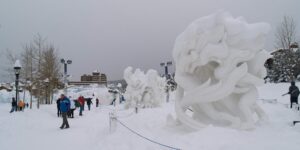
(46, 81)
(66, 63)
(17, 68)
(294, 46)
(33, 90)
(166, 65)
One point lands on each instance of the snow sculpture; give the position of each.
(219, 62)
(143, 90)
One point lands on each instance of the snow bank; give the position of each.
(5, 96)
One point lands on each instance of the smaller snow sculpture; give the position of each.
(143, 90)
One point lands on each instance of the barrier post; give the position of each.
(112, 122)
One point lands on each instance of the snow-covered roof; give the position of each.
(17, 64)
(96, 71)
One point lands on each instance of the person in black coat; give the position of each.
(13, 105)
(294, 93)
(89, 102)
(58, 107)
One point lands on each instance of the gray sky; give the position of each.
(110, 35)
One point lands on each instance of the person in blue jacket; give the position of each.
(64, 108)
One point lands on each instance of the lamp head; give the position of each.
(17, 67)
(69, 61)
(62, 61)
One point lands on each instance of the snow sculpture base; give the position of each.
(219, 62)
(143, 90)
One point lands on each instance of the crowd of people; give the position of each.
(66, 107)
(18, 106)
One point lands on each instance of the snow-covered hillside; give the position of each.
(39, 129)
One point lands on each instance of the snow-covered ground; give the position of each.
(39, 129)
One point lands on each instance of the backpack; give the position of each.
(77, 104)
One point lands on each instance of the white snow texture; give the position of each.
(219, 62)
(143, 90)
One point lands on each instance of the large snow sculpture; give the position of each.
(143, 90)
(219, 62)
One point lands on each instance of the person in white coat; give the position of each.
(72, 108)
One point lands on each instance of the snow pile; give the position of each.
(6, 97)
(144, 90)
(219, 62)
(88, 91)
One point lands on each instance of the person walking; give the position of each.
(64, 108)
(97, 102)
(294, 93)
(13, 105)
(72, 108)
(81, 102)
(58, 107)
(20, 105)
(89, 102)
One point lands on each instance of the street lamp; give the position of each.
(46, 81)
(166, 65)
(17, 68)
(38, 102)
(66, 63)
(294, 46)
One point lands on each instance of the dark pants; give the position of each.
(65, 120)
(71, 113)
(113, 102)
(89, 107)
(58, 112)
(80, 110)
(294, 100)
(14, 108)
(97, 104)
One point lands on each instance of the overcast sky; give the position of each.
(110, 35)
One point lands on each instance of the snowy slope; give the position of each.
(39, 129)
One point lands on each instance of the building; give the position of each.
(95, 78)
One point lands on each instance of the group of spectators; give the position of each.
(18, 106)
(67, 106)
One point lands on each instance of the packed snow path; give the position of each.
(39, 129)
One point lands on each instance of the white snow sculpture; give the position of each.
(143, 90)
(219, 62)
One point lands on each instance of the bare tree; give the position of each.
(29, 67)
(286, 33)
(50, 70)
(40, 61)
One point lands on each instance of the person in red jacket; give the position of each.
(81, 102)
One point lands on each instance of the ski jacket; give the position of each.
(81, 100)
(64, 104)
(294, 91)
(72, 104)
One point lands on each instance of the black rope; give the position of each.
(146, 137)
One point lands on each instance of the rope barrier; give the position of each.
(146, 137)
